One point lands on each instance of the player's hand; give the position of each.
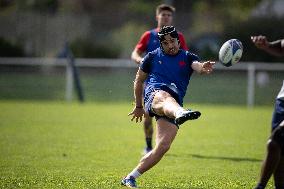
(137, 114)
(260, 41)
(207, 67)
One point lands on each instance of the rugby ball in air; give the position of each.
(231, 52)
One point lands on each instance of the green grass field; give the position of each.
(93, 145)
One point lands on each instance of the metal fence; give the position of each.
(247, 83)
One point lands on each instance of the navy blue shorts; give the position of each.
(149, 96)
(278, 114)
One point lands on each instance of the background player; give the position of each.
(148, 42)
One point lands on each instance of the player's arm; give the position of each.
(275, 48)
(137, 53)
(136, 56)
(203, 67)
(138, 87)
(138, 110)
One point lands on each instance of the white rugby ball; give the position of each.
(231, 52)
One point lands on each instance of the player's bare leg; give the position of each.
(165, 105)
(166, 133)
(270, 163)
(148, 130)
(279, 173)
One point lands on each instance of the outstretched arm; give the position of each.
(203, 68)
(275, 48)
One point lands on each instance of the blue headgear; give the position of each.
(165, 30)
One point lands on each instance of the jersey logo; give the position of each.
(160, 62)
(181, 63)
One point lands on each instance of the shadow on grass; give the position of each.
(236, 159)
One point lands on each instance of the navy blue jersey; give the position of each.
(153, 42)
(168, 70)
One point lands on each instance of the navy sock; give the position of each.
(149, 142)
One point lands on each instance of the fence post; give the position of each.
(72, 74)
(251, 86)
(76, 76)
(69, 82)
